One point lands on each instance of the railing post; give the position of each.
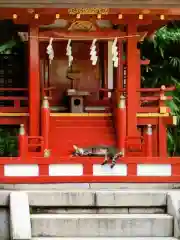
(45, 117)
(163, 98)
(121, 124)
(148, 142)
(23, 144)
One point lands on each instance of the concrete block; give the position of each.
(95, 186)
(102, 225)
(81, 210)
(131, 198)
(20, 224)
(4, 197)
(173, 208)
(151, 210)
(4, 224)
(54, 186)
(107, 238)
(140, 186)
(61, 198)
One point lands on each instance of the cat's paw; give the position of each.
(104, 163)
(112, 165)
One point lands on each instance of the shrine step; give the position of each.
(81, 131)
(100, 225)
(97, 198)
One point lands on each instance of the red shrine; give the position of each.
(84, 88)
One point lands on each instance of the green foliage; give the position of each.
(6, 48)
(8, 142)
(163, 51)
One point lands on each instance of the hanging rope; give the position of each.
(86, 38)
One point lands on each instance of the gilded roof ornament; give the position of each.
(90, 11)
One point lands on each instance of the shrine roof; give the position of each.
(160, 4)
(45, 12)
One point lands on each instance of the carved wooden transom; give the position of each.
(85, 26)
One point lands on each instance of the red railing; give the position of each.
(154, 99)
(29, 145)
(69, 169)
(16, 100)
(37, 145)
(151, 99)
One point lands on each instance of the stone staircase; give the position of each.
(98, 215)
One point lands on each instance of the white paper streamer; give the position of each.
(115, 53)
(93, 52)
(50, 50)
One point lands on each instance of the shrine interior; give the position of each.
(81, 76)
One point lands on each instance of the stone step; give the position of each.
(98, 210)
(99, 198)
(102, 225)
(106, 238)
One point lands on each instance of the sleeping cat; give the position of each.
(109, 152)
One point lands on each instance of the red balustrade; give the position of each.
(17, 100)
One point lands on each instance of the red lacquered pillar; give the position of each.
(34, 81)
(121, 124)
(45, 118)
(23, 144)
(149, 142)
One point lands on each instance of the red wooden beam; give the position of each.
(141, 121)
(34, 82)
(110, 11)
(133, 81)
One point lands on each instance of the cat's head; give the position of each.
(78, 151)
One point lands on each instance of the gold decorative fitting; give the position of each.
(163, 110)
(47, 153)
(141, 16)
(163, 97)
(21, 130)
(163, 87)
(152, 115)
(120, 16)
(99, 16)
(45, 103)
(90, 11)
(85, 26)
(149, 129)
(31, 10)
(15, 16)
(146, 11)
(78, 16)
(122, 102)
(162, 17)
(36, 16)
(57, 16)
(174, 120)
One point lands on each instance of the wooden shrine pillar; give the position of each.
(119, 73)
(34, 82)
(120, 113)
(162, 140)
(105, 54)
(133, 79)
